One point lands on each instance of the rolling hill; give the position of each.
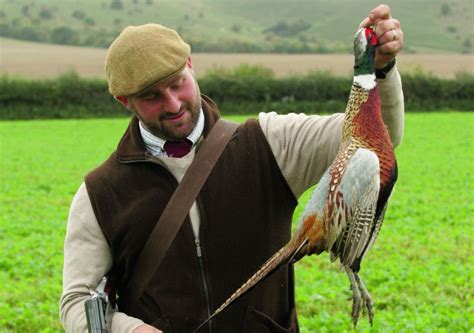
(292, 26)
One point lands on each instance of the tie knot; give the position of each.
(177, 148)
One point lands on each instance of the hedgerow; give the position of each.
(243, 90)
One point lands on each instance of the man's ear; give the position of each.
(190, 64)
(124, 101)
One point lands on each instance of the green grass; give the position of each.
(419, 271)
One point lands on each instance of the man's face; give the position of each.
(169, 109)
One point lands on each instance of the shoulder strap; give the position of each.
(179, 205)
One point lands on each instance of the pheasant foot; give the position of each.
(366, 299)
(356, 296)
(360, 297)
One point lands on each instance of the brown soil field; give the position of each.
(35, 60)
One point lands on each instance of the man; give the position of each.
(241, 216)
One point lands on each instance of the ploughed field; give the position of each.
(36, 60)
(419, 271)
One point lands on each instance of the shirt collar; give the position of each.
(155, 145)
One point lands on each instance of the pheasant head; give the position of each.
(365, 45)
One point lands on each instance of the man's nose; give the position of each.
(172, 104)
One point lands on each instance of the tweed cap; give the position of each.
(142, 56)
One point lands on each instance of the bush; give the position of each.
(66, 97)
(426, 91)
(243, 90)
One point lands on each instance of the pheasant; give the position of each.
(346, 210)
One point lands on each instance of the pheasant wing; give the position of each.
(355, 200)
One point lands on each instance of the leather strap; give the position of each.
(179, 205)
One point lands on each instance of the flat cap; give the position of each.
(142, 56)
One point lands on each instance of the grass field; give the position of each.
(419, 271)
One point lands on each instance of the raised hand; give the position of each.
(389, 34)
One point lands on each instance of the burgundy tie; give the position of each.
(177, 148)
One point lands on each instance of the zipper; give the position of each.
(203, 276)
(152, 159)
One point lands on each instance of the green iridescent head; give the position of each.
(365, 44)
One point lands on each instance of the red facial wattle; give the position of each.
(370, 36)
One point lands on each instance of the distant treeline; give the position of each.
(243, 90)
(65, 35)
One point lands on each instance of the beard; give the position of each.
(161, 129)
(171, 133)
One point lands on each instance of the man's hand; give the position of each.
(389, 34)
(146, 329)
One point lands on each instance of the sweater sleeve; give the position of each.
(304, 146)
(393, 105)
(87, 258)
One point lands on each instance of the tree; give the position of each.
(467, 45)
(445, 9)
(452, 29)
(116, 4)
(236, 28)
(64, 35)
(78, 14)
(30, 33)
(25, 10)
(285, 29)
(46, 14)
(89, 21)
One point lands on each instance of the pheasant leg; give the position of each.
(366, 299)
(356, 296)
